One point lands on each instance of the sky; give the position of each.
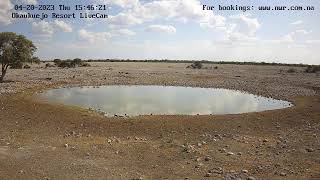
(174, 29)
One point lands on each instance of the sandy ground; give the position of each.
(39, 140)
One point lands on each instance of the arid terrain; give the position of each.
(40, 140)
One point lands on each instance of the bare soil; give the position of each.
(39, 140)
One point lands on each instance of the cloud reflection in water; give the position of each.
(144, 100)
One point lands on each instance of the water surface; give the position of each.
(162, 100)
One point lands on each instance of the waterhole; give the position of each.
(162, 100)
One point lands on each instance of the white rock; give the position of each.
(230, 153)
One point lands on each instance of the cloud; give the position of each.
(161, 29)
(93, 36)
(240, 28)
(177, 10)
(302, 31)
(297, 35)
(99, 37)
(124, 19)
(314, 41)
(62, 26)
(123, 3)
(123, 32)
(44, 28)
(5, 12)
(252, 24)
(297, 22)
(30, 2)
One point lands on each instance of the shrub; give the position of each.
(35, 60)
(66, 64)
(57, 62)
(85, 64)
(77, 61)
(312, 69)
(196, 65)
(70, 63)
(17, 65)
(291, 70)
(63, 64)
(50, 65)
(26, 66)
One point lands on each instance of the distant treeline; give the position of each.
(192, 61)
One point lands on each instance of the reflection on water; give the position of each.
(162, 100)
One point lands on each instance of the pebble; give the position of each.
(250, 178)
(244, 171)
(208, 175)
(310, 150)
(66, 145)
(207, 158)
(283, 174)
(218, 170)
(198, 165)
(223, 150)
(230, 153)
(140, 178)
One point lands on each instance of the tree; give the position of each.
(77, 61)
(196, 65)
(35, 60)
(14, 50)
(57, 62)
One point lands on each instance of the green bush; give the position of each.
(77, 61)
(26, 66)
(17, 65)
(196, 65)
(67, 64)
(35, 60)
(312, 69)
(85, 64)
(48, 65)
(291, 70)
(57, 62)
(70, 63)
